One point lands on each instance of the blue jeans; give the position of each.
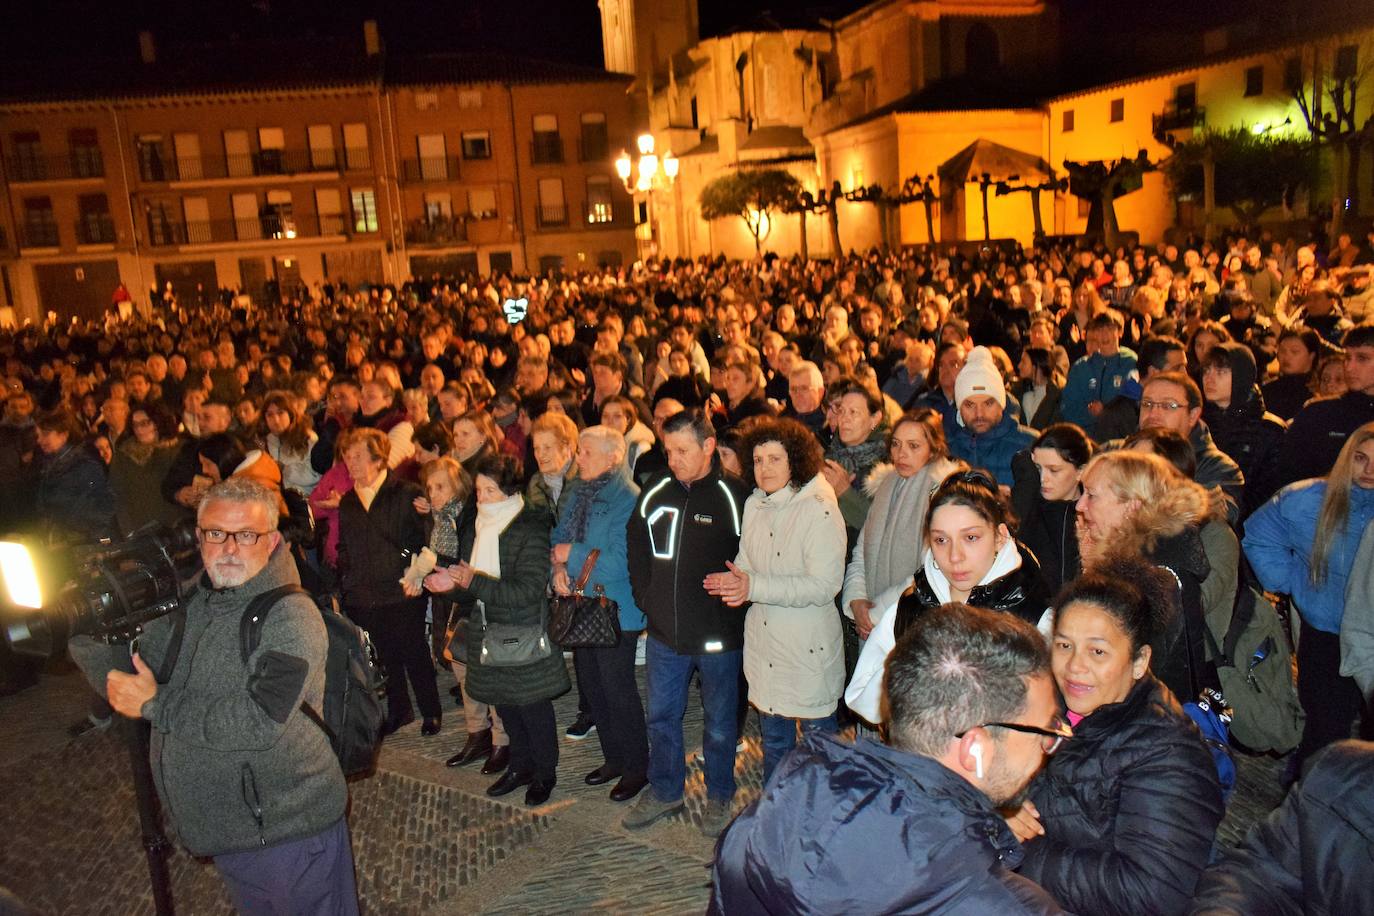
(312, 876)
(780, 736)
(670, 675)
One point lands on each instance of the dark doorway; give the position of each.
(194, 282)
(77, 288)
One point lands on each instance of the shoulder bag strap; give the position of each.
(587, 567)
(250, 634)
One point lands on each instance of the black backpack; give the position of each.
(353, 684)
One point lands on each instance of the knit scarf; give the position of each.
(443, 540)
(492, 519)
(580, 511)
(859, 459)
(891, 539)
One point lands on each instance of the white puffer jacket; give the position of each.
(792, 546)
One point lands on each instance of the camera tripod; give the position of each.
(136, 732)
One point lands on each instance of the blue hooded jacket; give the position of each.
(610, 514)
(1278, 541)
(992, 451)
(866, 828)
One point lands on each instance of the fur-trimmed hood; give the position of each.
(1182, 507)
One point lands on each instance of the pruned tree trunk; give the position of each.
(929, 206)
(805, 248)
(1209, 192)
(1111, 230)
(833, 218)
(987, 223)
(1035, 213)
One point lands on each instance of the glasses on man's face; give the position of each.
(219, 536)
(1050, 738)
(1170, 406)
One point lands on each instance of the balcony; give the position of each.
(1174, 117)
(38, 235)
(451, 230)
(357, 158)
(265, 163)
(436, 168)
(267, 228)
(95, 229)
(546, 149)
(605, 215)
(548, 216)
(83, 164)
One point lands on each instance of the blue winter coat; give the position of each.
(1278, 542)
(993, 451)
(1094, 378)
(865, 828)
(606, 531)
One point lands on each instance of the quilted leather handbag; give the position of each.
(582, 621)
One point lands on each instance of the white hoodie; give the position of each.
(864, 695)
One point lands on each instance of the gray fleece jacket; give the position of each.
(237, 765)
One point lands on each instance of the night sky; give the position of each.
(567, 30)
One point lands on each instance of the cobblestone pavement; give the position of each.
(427, 840)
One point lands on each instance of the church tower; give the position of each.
(638, 36)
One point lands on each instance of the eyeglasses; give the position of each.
(1050, 738)
(219, 536)
(1170, 406)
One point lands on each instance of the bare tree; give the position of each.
(1324, 79)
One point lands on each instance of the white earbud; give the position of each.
(977, 751)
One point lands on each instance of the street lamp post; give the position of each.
(644, 176)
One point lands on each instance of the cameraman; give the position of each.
(245, 776)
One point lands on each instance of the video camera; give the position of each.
(115, 589)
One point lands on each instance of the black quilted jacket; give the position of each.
(1130, 807)
(1020, 592)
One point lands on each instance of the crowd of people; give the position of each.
(982, 506)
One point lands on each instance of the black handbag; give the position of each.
(581, 621)
(510, 645)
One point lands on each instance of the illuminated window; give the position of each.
(364, 210)
(599, 206)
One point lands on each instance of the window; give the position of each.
(594, 143)
(1185, 97)
(1292, 74)
(196, 212)
(40, 228)
(476, 144)
(469, 98)
(1067, 125)
(696, 122)
(278, 217)
(26, 160)
(426, 101)
(553, 211)
(1347, 62)
(364, 210)
(1118, 110)
(547, 146)
(238, 159)
(247, 222)
(501, 262)
(271, 151)
(356, 154)
(1254, 81)
(599, 205)
(95, 226)
(186, 147)
(87, 161)
(482, 203)
(329, 208)
(321, 140)
(438, 207)
(433, 162)
(151, 166)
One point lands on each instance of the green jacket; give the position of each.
(517, 597)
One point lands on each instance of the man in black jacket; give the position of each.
(1316, 434)
(687, 524)
(912, 827)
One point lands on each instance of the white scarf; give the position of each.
(492, 520)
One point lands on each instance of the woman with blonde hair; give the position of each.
(1138, 504)
(1302, 543)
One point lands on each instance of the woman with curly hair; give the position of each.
(790, 566)
(1137, 504)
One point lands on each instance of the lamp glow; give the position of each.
(646, 143)
(670, 165)
(21, 578)
(623, 166)
(648, 164)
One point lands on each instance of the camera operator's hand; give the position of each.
(128, 692)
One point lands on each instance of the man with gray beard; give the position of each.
(245, 776)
